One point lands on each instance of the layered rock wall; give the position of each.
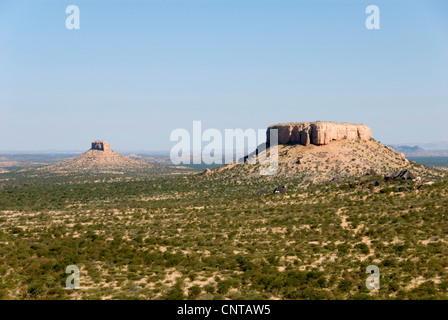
(318, 133)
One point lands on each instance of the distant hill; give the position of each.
(102, 159)
(408, 150)
(438, 145)
(417, 151)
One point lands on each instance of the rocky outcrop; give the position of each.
(404, 174)
(100, 145)
(318, 133)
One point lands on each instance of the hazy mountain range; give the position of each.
(436, 149)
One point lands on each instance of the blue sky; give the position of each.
(136, 70)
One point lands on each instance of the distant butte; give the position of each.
(322, 151)
(100, 158)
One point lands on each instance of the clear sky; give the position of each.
(136, 70)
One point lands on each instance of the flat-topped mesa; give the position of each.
(100, 145)
(318, 132)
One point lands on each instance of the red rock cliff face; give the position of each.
(318, 133)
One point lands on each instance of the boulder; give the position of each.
(404, 174)
(280, 190)
(392, 175)
(403, 157)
